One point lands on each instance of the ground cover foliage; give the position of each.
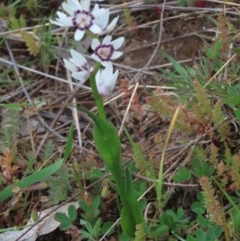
(175, 111)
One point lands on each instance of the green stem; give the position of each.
(97, 97)
(79, 184)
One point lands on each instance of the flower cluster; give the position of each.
(78, 15)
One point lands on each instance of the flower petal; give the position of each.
(85, 5)
(95, 8)
(76, 4)
(67, 21)
(62, 20)
(98, 13)
(70, 66)
(102, 20)
(69, 8)
(107, 73)
(106, 80)
(95, 29)
(56, 23)
(116, 54)
(61, 14)
(95, 57)
(114, 78)
(97, 78)
(78, 34)
(79, 57)
(117, 43)
(106, 63)
(109, 86)
(107, 39)
(76, 62)
(95, 43)
(82, 76)
(112, 25)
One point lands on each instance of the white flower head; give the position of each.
(80, 17)
(79, 66)
(106, 51)
(106, 80)
(102, 21)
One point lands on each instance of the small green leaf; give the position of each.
(182, 175)
(86, 234)
(65, 226)
(201, 236)
(216, 50)
(209, 53)
(202, 168)
(235, 214)
(198, 207)
(106, 228)
(237, 113)
(64, 220)
(123, 237)
(96, 228)
(87, 225)
(84, 206)
(177, 236)
(200, 197)
(96, 173)
(180, 213)
(95, 205)
(190, 238)
(172, 214)
(214, 232)
(166, 219)
(159, 231)
(62, 217)
(203, 222)
(72, 212)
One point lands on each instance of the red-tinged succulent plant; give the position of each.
(200, 3)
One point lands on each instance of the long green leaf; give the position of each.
(13, 106)
(127, 222)
(132, 199)
(41, 174)
(109, 147)
(107, 141)
(68, 147)
(177, 66)
(31, 179)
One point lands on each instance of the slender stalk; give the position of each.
(159, 183)
(79, 184)
(97, 97)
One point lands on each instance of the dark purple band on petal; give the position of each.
(88, 15)
(102, 48)
(83, 67)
